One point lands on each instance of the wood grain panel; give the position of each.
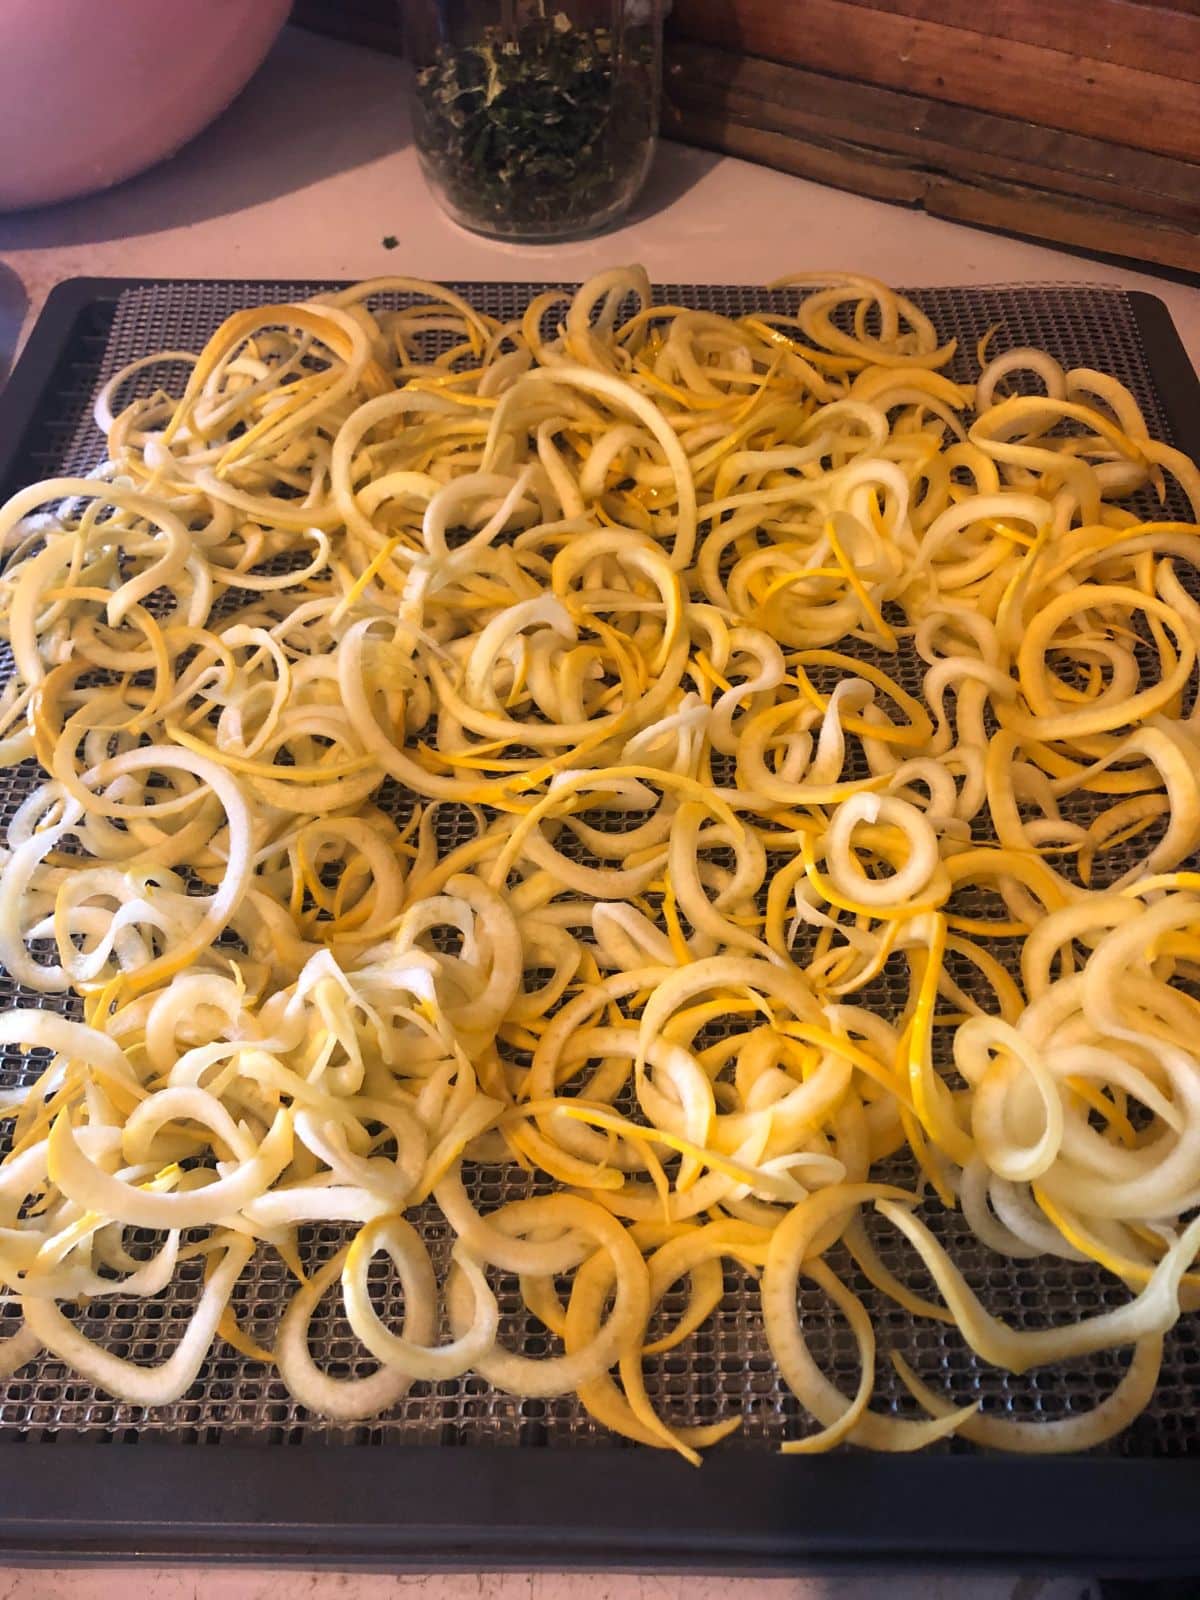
(1121, 104)
(1153, 38)
(955, 139)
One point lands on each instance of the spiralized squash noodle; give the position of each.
(596, 586)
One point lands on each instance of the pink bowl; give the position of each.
(92, 91)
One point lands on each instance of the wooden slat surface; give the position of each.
(1122, 104)
(1154, 38)
(954, 139)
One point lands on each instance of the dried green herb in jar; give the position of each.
(543, 130)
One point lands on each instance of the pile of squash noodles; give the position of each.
(606, 586)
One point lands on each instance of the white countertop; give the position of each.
(303, 177)
(313, 166)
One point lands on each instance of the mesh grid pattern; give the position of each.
(726, 1366)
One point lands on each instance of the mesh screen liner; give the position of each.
(725, 1367)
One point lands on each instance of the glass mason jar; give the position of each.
(535, 119)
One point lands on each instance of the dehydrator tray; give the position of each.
(459, 1475)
